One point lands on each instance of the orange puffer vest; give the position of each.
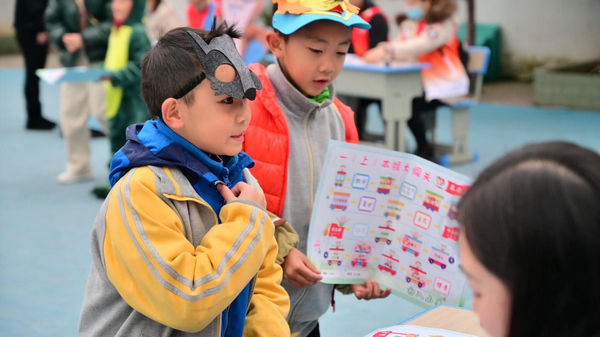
(267, 140)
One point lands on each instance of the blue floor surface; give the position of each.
(45, 227)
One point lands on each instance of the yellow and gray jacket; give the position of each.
(169, 261)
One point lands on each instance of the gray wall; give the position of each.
(542, 29)
(537, 29)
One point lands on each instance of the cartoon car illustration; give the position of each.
(389, 265)
(340, 200)
(362, 251)
(453, 211)
(416, 275)
(340, 176)
(334, 254)
(432, 201)
(411, 244)
(385, 233)
(393, 209)
(440, 257)
(385, 185)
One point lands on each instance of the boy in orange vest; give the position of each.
(293, 118)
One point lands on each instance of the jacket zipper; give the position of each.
(311, 190)
(293, 310)
(311, 165)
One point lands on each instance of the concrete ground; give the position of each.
(503, 92)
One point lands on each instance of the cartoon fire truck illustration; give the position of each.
(453, 211)
(416, 275)
(389, 263)
(340, 176)
(334, 230)
(432, 201)
(385, 233)
(411, 244)
(334, 254)
(362, 251)
(393, 209)
(451, 233)
(440, 257)
(340, 200)
(385, 185)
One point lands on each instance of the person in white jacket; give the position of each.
(161, 18)
(428, 36)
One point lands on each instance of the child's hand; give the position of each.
(72, 41)
(106, 78)
(369, 290)
(375, 55)
(242, 191)
(298, 269)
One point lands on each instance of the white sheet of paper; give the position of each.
(71, 74)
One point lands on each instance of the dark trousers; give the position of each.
(361, 115)
(417, 125)
(35, 58)
(315, 332)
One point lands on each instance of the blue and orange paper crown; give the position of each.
(292, 15)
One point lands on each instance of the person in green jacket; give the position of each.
(79, 30)
(127, 45)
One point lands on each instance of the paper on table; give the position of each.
(71, 74)
(414, 331)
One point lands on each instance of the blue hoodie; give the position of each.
(155, 144)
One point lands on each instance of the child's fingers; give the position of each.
(374, 290)
(239, 188)
(360, 291)
(310, 275)
(226, 192)
(300, 281)
(311, 267)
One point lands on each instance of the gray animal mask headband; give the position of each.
(222, 51)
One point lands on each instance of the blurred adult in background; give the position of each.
(161, 17)
(201, 13)
(428, 35)
(33, 40)
(79, 29)
(362, 41)
(245, 15)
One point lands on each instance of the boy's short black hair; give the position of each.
(173, 63)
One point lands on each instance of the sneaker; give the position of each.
(73, 178)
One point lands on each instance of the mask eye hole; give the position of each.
(225, 73)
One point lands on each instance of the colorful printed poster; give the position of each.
(391, 217)
(414, 331)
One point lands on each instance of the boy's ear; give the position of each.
(276, 43)
(171, 114)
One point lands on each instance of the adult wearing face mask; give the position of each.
(428, 34)
(362, 41)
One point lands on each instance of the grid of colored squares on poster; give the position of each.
(391, 217)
